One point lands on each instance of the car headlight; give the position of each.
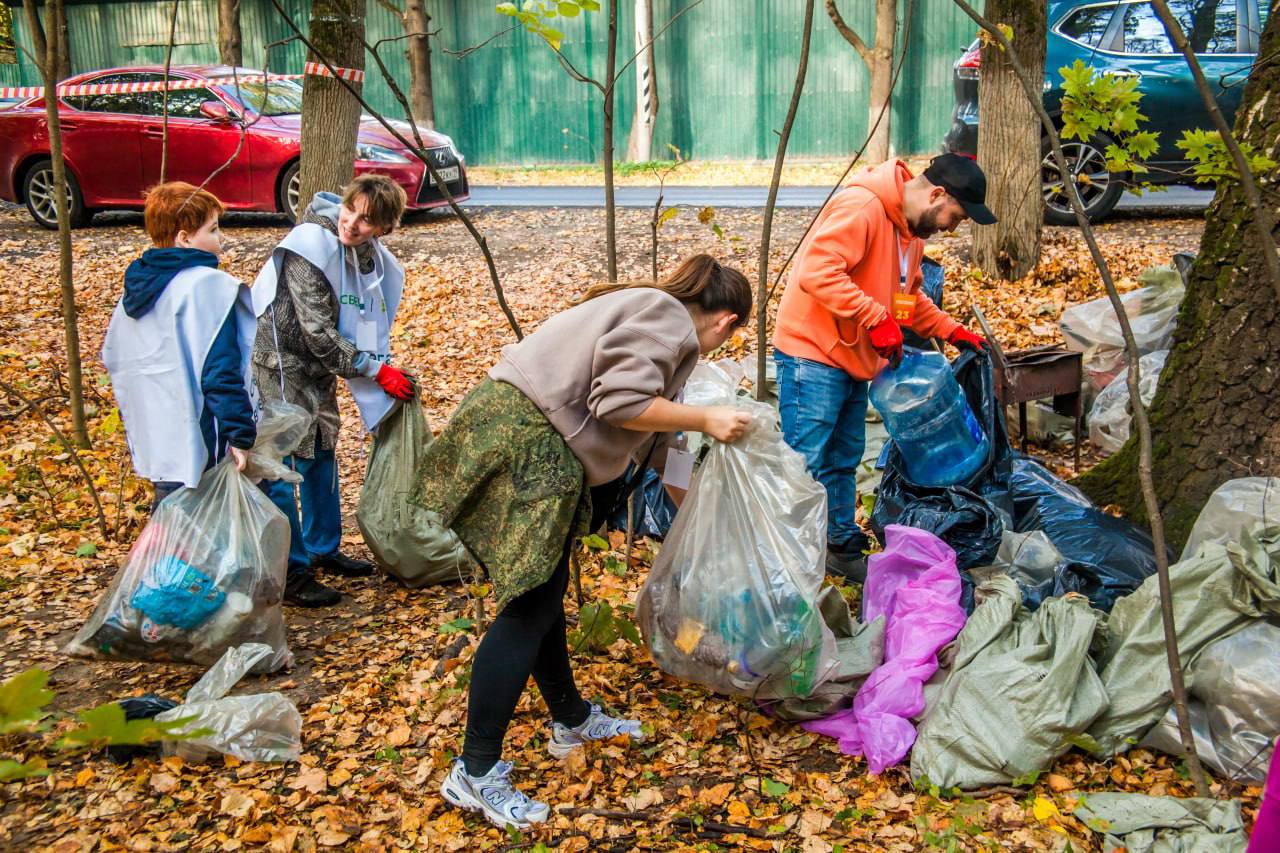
(379, 154)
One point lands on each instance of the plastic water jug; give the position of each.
(929, 419)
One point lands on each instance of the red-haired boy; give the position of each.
(178, 352)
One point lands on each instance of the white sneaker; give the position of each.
(493, 796)
(597, 726)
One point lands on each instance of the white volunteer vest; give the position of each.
(367, 304)
(155, 364)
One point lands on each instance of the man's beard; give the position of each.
(926, 225)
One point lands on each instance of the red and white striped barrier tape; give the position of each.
(317, 69)
(351, 75)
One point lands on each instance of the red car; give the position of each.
(111, 143)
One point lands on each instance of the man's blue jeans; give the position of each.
(318, 531)
(824, 412)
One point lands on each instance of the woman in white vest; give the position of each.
(325, 300)
(178, 345)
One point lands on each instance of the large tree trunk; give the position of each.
(880, 66)
(330, 116)
(878, 57)
(417, 23)
(49, 63)
(610, 211)
(640, 143)
(1214, 415)
(1009, 144)
(229, 40)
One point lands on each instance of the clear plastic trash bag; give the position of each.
(281, 428)
(1093, 329)
(1111, 413)
(257, 727)
(409, 542)
(732, 600)
(1235, 507)
(207, 573)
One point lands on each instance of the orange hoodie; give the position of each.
(845, 275)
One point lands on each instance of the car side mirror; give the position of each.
(215, 111)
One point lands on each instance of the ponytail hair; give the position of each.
(699, 281)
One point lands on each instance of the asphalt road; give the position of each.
(1175, 199)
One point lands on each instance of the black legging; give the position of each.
(526, 638)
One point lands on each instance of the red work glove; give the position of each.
(394, 382)
(886, 339)
(962, 338)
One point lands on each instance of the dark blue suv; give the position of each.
(1124, 37)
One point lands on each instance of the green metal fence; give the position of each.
(724, 72)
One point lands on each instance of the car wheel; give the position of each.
(37, 189)
(287, 194)
(1099, 187)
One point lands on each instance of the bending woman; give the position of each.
(532, 459)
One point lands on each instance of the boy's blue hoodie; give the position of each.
(227, 417)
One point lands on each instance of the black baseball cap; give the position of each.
(963, 180)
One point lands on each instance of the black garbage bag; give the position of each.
(969, 517)
(654, 510)
(931, 285)
(144, 707)
(1105, 557)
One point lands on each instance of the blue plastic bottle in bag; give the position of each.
(785, 645)
(929, 420)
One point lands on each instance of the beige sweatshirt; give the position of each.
(600, 364)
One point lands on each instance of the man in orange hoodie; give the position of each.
(855, 282)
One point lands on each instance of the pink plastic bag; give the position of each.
(915, 586)
(1266, 829)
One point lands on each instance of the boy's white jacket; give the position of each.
(156, 360)
(367, 304)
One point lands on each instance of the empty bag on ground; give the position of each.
(207, 573)
(409, 543)
(1021, 685)
(255, 727)
(732, 599)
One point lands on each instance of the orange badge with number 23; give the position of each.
(904, 308)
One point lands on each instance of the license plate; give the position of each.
(448, 174)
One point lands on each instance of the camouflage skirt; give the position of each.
(503, 478)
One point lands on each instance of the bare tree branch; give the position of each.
(164, 103)
(35, 405)
(419, 151)
(1264, 222)
(871, 132)
(467, 51)
(762, 300)
(1036, 97)
(848, 33)
(647, 44)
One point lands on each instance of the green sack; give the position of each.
(1216, 592)
(1022, 686)
(407, 541)
(1138, 823)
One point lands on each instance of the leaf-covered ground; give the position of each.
(380, 679)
